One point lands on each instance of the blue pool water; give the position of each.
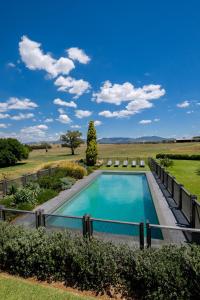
(111, 196)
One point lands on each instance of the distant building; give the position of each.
(188, 140)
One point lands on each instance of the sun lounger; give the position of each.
(133, 164)
(125, 163)
(116, 163)
(142, 163)
(109, 163)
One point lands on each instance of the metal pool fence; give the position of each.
(183, 200)
(135, 234)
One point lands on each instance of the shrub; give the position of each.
(27, 194)
(67, 182)
(73, 170)
(91, 151)
(11, 151)
(166, 162)
(178, 156)
(50, 182)
(45, 195)
(167, 273)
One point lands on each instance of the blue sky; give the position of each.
(131, 66)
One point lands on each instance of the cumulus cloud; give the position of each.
(3, 125)
(35, 59)
(118, 93)
(64, 118)
(48, 120)
(4, 116)
(145, 122)
(156, 120)
(37, 131)
(183, 104)
(14, 103)
(61, 111)
(72, 86)
(115, 114)
(79, 113)
(61, 102)
(21, 116)
(75, 126)
(11, 65)
(78, 54)
(97, 123)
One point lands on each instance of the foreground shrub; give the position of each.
(179, 156)
(167, 273)
(166, 162)
(45, 195)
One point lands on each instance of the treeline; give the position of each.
(12, 151)
(39, 146)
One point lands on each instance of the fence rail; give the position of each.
(21, 181)
(184, 201)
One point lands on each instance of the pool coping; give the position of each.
(164, 214)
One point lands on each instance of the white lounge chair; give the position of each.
(116, 163)
(133, 164)
(109, 163)
(142, 163)
(125, 163)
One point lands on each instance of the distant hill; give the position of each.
(126, 140)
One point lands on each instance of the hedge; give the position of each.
(166, 273)
(179, 156)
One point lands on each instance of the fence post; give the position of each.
(193, 199)
(141, 235)
(2, 213)
(84, 223)
(24, 180)
(167, 177)
(148, 238)
(89, 226)
(180, 196)
(5, 187)
(36, 219)
(173, 186)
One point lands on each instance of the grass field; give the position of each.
(38, 158)
(14, 288)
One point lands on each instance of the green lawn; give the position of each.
(38, 158)
(185, 172)
(13, 288)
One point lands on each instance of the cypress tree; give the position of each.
(91, 151)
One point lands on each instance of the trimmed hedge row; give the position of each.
(165, 273)
(179, 156)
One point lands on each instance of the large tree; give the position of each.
(72, 140)
(91, 151)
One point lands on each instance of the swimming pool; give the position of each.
(112, 196)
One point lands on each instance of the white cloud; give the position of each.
(145, 122)
(183, 104)
(72, 86)
(48, 120)
(4, 116)
(97, 123)
(156, 120)
(63, 118)
(82, 113)
(3, 125)
(22, 117)
(61, 111)
(118, 93)
(35, 59)
(37, 131)
(190, 112)
(78, 54)
(11, 65)
(59, 101)
(75, 126)
(15, 103)
(132, 108)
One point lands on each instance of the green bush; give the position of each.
(166, 162)
(50, 182)
(72, 170)
(67, 182)
(179, 156)
(11, 151)
(45, 195)
(167, 273)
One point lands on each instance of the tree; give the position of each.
(11, 151)
(72, 140)
(91, 151)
